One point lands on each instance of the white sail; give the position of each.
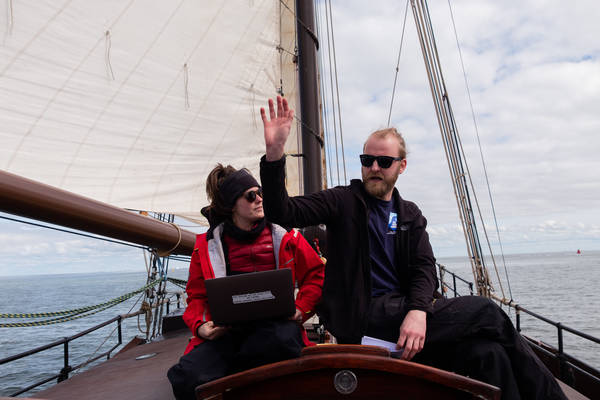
(134, 102)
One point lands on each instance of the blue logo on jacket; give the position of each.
(392, 223)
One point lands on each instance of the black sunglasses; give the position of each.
(383, 161)
(251, 195)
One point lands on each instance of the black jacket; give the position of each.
(347, 286)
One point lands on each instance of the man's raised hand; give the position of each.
(277, 127)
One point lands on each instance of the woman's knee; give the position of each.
(288, 335)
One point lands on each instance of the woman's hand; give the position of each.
(297, 316)
(210, 331)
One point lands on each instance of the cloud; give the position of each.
(534, 78)
(35, 250)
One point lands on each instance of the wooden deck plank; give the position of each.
(124, 377)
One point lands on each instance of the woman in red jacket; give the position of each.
(240, 240)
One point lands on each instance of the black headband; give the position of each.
(234, 186)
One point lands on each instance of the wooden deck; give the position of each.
(124, 377)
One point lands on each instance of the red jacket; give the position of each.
(291, 251)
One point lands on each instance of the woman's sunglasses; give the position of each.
(251, 195)
(383, 161)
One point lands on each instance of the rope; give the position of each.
(337, 90)
(452, 145)
(51, 321)
(323, 100)
(280, 49)
(73, 232)
(480, 151)
(186, 80)
(398, 64)
(109, 69)
(70, 315)
(11, 19)
(310, 32)
(91, 357)
(146, 309)
(310, 131)
(66, 82)
(166, 253)
(179, 282)
(323, 94)
(337, 160)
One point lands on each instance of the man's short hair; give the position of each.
(384, 133)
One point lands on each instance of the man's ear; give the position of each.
(402, 166)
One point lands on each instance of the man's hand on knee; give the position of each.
(412, 333)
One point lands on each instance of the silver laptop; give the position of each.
(251, 297)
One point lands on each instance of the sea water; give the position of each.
(47, 293)
(560, 286)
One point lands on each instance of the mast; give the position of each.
(450, 137)
(309, 96)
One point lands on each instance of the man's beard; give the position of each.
(379, 188)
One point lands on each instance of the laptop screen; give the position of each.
(251, 297)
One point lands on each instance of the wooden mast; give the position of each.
(309, 96)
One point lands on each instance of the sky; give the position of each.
(533, 70)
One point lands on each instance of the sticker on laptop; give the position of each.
(252, 297)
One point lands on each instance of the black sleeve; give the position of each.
(423, 280)
(299, 211)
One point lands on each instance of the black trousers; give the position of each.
(471, 336)
(240, 349)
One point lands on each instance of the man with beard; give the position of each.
(380, 277)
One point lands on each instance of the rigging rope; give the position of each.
(310, 131)
(310, 32)
(398, 64)
(337, 90)
(480, 149)
(128, 315)
(52, 321)
(452, 145)
(179, 282)
(73, 232)
(67, 314)
(337, 160)
(323, 98)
